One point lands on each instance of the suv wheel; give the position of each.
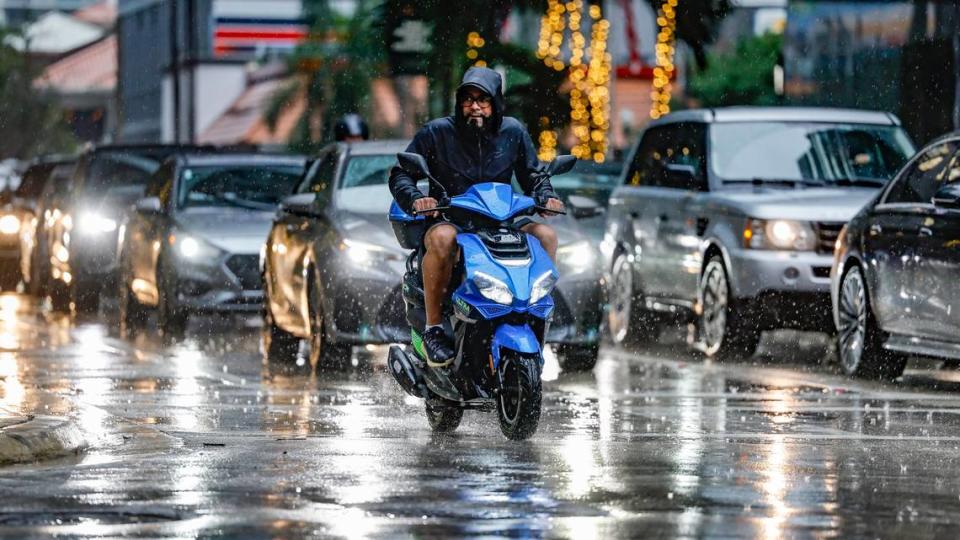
(724, 329)
(59, 294)
(860, 340)
(577, 357)
(171, 318)
(323, 354)
(627, 321)
(133, 314)
(86, 297)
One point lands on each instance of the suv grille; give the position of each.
(247, 270)
(827, 234)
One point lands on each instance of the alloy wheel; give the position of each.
(621, 297)
(713, 323)
(852, 316)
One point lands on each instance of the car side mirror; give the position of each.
(414, 165)
(561, 165)
(301, 204)
(148, 205)
(584, 207)
(948, 196)
(681, 175)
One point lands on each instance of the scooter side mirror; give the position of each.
(561, 165)
(413, 164)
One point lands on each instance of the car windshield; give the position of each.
(109, 171)
(814, 153)
(255, 187)
(364, 185)
(588, 180)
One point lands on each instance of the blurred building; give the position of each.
(900, 56)
(19, 12)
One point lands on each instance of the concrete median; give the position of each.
(27, 438)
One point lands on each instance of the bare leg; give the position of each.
(547, 237)
(438, 262)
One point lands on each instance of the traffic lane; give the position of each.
(198, 438)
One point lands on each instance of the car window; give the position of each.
(159, 179)
(117, 170)
(364, 187)
(920, 181)
(320, 179)
(33, 180)
(676, 144)
(254, 187)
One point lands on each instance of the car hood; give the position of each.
(812, 204)
(234, 230)
(367, 227)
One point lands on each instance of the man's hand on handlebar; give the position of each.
(424, 204)
(552, 206)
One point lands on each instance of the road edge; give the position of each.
(28, 438)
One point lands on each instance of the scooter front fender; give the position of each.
(515, 338)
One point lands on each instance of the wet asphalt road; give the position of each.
(200, 439)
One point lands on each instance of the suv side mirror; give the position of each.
(301, 204)
(680, 175)
(561, 165)
(148, 205)
(948, 196)
(414, 165)
(584, 207)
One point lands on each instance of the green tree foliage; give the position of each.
(336, 65)
(744, 77)
(31, 123)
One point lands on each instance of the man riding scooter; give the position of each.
(477, 144)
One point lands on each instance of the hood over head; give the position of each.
(488, 81)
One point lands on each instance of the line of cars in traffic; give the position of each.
(729, 221)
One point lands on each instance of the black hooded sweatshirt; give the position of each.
(460, 155)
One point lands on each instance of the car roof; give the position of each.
(253, 158)
(374, 148)
(780, 114)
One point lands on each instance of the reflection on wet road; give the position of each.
(200, 438)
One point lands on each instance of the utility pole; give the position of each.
(175, 67)
(191, 58)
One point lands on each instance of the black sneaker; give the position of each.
(439, 350)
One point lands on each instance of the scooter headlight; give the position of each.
(542, 286)
(492, 288)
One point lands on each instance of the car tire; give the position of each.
(323, 354)
(59, 294)
(724, 329)
(9, 276)
(860, 348)
(133, 314)
(86, 297)
(171, 318)
(278, 344)
(628, 323)
(577, 357)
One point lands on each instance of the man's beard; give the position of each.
(476, 121)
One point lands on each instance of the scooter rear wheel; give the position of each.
(518, 406)
(444, 419)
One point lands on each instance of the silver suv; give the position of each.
(728, 218)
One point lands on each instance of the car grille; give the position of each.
(827, 234)
(246, 268)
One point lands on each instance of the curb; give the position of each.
(32, 438)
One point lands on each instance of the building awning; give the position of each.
(90, 69)
(244, 120)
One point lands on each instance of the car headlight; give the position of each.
(94, 223)
(9, 224)
(779, 234)
(578, 256)
(492, 288)
(365, 254)
(193, 248)
(542, 286)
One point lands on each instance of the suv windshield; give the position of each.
(589, 180)
(807, 152)
(244, 186)
(364, 185)
(111, 170)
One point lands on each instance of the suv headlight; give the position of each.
(781, 234)
(578, 256)
(492, 288)
(542, 286)
(93, 223)
(365, 254)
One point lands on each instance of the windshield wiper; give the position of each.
(243, 203)
(860, 182)
(764, 181)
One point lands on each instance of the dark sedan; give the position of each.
(894, 278)
(333, 268)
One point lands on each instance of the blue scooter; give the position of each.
(497, 315)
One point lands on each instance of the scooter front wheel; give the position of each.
(520, 396)
(444, 419)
